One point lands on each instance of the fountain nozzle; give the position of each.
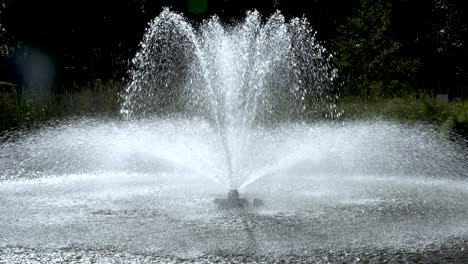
(234, 201)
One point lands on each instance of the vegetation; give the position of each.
(378, 81)
(21, 109)
(24, 108)
(368, 57)
(405, 108)
(393, 56)
(387, 41)
(452, 116)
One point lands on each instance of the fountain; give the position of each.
(236, 79)
(227, 108)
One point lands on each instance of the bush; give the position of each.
(19, 109)
(12, 109)
(452, 116)
(367, 56)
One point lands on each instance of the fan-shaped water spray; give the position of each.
(255, 72)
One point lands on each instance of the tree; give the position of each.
(367, 55)
(8, 47)
(448, 28)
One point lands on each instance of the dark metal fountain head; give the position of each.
(233, 195)
(234, 201)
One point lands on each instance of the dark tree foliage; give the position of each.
(89, 40)
(435, 31)
(86, 40)
(368, 56)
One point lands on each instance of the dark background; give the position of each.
(89, 40)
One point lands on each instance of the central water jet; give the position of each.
(240, 78)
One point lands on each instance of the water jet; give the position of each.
(262, 72)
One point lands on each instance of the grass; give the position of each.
(18, 109)
(452, 116)
(21, 109)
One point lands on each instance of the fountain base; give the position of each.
(234, 201)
